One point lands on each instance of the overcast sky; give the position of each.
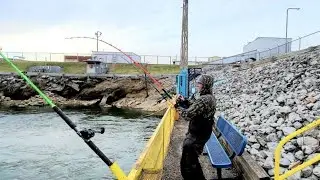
(216, 27)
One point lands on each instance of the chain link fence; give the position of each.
(293, 46)
(76, 57)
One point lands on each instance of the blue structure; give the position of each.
(183, 83)
(186, 81)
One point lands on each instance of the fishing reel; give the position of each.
(89, 133)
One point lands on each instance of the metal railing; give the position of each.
(283, 142)
(298, 44)
(60, 57)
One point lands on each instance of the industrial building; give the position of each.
(114, 57)
(105, 57)
(265, 43)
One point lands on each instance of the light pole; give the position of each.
(98, 34)
(287, 27)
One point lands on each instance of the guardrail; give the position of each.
(150, 163)
(282, 143)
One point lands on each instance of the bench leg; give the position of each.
(219, 173)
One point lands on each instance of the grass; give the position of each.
(68, 67)
(80, 67)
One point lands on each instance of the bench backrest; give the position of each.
(233, 137)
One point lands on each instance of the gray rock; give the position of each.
(308, 141)
(279, 134)
(297, 125)
(290, 102)
(308, 150)
(281, 99)
(284, 110)
(254, 151)
(316, 171)
(268, 163)
(288, 130)
(306, 172)
(294, 117)
(256, 146)
(272, 145)
(316, 106)
(262, 154)
(284, 162)
(252, 139)
(272, 137)
(312, 177)
(299, 155)
(289, 156)
(280, 121)
(289, 147)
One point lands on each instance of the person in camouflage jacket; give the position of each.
(200, 114)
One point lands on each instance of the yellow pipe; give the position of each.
(117, 171)
(285, 140)
(301, 166)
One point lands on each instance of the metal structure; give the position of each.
(98, 34)
(287, 26)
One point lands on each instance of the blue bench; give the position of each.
(219, 158)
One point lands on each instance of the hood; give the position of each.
(207, 82)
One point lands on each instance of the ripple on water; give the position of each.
(40, 145)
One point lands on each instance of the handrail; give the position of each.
(282, 143)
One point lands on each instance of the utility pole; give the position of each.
(287, 27)
(98, 34)
(184, 37)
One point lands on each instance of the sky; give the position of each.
(153, 27)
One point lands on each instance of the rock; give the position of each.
(280, 134)
(308, 141)
(272, 137)
(299, 155)
(306, 172)
(289, 147)
(272, 146)
(308, 150)
(268, 163)
(256, 146)
(252, 139)
(284, 162)
(262, 154)
(281, 99)
(294, 117)
(289, 156)
(316, 171)
(284, 110)
(297, 125)
(288, 130)
(254, 151)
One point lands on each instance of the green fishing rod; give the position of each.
(84, 134)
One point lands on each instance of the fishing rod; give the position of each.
(134, 62)
(85, 134)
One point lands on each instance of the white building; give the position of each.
(114, 57)
(268, 46)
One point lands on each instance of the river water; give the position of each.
(39, 145)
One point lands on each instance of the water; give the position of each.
(40, 145)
